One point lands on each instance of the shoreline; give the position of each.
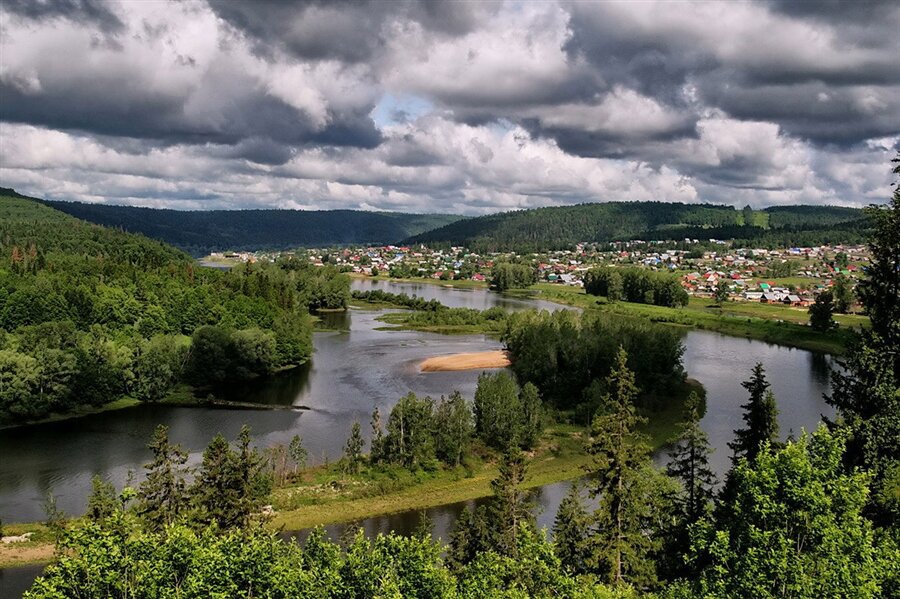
(466, 361)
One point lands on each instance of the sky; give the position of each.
(457, 107)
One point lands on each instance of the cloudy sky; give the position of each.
(464, 107)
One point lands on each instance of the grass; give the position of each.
(38, 549)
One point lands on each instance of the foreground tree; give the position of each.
(625, 486)
(162, 496)
(353, 449)
(689, 463)
(453, 428)
(843, 294)
(760, 416)
(570, 532)
(866, 392)
(793, 528)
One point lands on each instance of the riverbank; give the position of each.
(454, 284)
(466, 361)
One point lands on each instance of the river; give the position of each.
(354, 369)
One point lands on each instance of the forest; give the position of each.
(204, 231)
(90, 315)
(562, 227)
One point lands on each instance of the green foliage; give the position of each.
(821, 311)
(162, 496)
(637, 285)
(689, 463)
(843, 294)
(92, 315)
(793, 528)
(102, 502)
(505, 276)
(453, 428)
(760, 417)
(570, 532)
(500, 420)
(353, 449)
(409, 441)
(563, 353)
(625, 486)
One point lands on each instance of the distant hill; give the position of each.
(562, 227)
(201, 232)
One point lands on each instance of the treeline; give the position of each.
(506, 276)
(412, 302)
(89, 315)
(203, 231)
(567, 355)
(637, 285)
(562, 227)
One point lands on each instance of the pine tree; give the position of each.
(353, 449)
(619, 547)
(215, 491)
(689, 463)
(162, 496)
(570, 532)
(760, 416)
(509, 506)
(820, 312)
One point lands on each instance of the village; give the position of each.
(791, 276)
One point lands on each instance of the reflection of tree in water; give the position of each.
(820, 366)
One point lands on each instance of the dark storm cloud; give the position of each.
(350, 31)
(95, 12)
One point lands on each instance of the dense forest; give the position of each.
(202, 232)
(563, 227)
(90, 315)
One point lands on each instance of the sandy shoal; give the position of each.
(470, 361)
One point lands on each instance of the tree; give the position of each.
(820, 312)
(760, 416)
(842, 292)
(453, 428)
(161, 496)
(102, 502)
(747, 216)
(570, 532)
(620, 547)
(721, 294)
(866, 391)
(410, 438)
(509, 507)
(353, 449)
(497, 410)
(376, 445)
(792, 528)
(298, 453)
(689, 463)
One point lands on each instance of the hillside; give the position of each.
(200, 232)
(562, 227)
(91, 315)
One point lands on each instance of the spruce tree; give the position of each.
(689, 463)
(215, 492)
(570, 532)
(102, 502)
(353, 449)
(760, 416)
(820, 312)
(620, 546)
(162, 496)
(509, 506)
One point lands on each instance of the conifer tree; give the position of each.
(509, 506)
(570, 532)
(353, 449)
(760, 416)
(689, 463)
(162, 496)
(102, 502)
(620, 546)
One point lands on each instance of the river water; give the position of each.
(354, 369)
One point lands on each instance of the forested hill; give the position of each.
(562, 227)
(200, 232)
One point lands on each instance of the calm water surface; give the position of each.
(354, 369)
